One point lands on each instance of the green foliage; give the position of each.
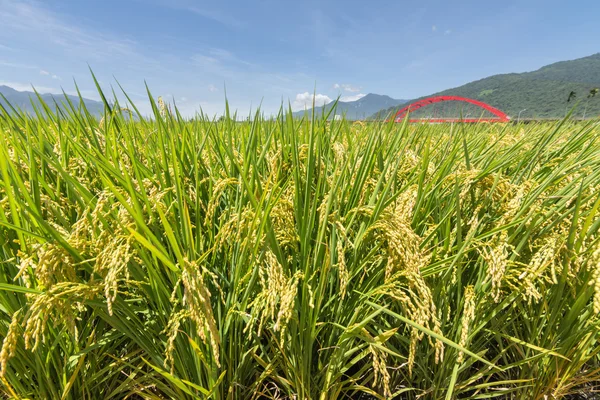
(572, 96)
(310, 259)
(543, 92)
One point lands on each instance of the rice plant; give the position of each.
(195, 258)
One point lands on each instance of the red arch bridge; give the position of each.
(499, 116)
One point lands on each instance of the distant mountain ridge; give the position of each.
(358, 109)
(23, 101)
(541, 93)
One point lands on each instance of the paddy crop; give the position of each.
(170, 257)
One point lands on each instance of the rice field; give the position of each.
(174, 258)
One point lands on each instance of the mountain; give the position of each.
(23, 101)
(358, 109)
(543, 93)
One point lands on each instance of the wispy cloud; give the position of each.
(222, 63)
(228, 56)
(196, 69)
(346, 87)
(433, 28)
(223, 18)
(16, 65)
(204, 61)
(447, 31)
(32, 19)
(414, 64)
(205, 11)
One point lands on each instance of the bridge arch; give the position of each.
(499, 115)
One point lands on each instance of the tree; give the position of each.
(593, 93)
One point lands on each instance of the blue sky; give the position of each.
(268, 51)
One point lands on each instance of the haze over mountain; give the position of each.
(26, 100)
(542, 93)
(358, 109)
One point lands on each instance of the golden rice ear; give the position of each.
(344, 275)
(172, 330)
(196, 299)
(380, 370)
(403, 275)
(276, 301)
(9, 344)
(162, 108)
(467, 317)
(595, 267)
(496, 257)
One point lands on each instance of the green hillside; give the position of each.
(543, 93)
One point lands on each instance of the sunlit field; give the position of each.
(177, 258)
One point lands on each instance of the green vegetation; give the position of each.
(486, 92)
(543, 92)
(194, 259)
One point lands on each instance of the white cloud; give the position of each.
(183, 99)
(212, 88)
(353, 97)
(433, 28)
(46, 73)
(346, 87)
(305, 100)
(447, 31)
